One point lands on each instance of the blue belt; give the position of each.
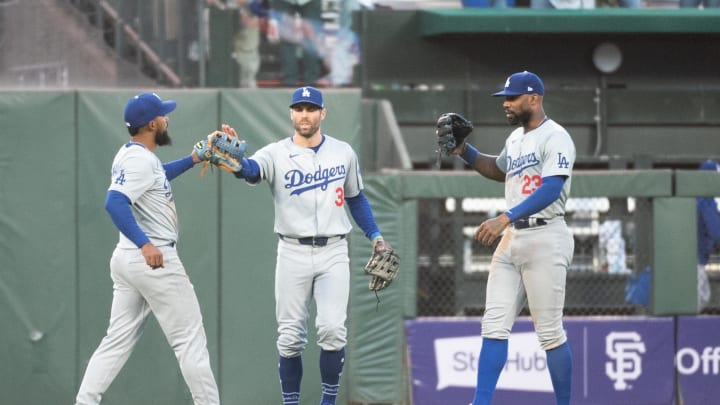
(529, 223)
(318, 241)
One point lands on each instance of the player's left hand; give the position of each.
(491, 229)
(452, 129)
(383, 265)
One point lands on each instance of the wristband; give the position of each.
(470, 154)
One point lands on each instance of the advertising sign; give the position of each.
(698, 359)
(616, 361)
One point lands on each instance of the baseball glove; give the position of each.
(452, 129)
(222, 150)
(383, 266)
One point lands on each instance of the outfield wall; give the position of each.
(56, 241)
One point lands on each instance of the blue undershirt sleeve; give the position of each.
(363, 215)
(178, 167)
(548, 192)
(250, 171)
(117, 205)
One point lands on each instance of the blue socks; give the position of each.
(290, 370)
(331, 366)
(493, 356)
(559, 362)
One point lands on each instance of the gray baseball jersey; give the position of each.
(309, 190)
(546, 151)
(152, 200)
(304, 182)
(532, 262)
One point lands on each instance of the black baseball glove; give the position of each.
(452, 129)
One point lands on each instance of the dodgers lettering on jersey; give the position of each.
(521, 163)
(548, 150)
(139, 174)
(300, 182)
(303, 181)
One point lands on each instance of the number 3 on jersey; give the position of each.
(340, 200)
(531, 183)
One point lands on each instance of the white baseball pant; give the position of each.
(530, 262)
(303, 273)
(169, 295)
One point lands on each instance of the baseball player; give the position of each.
(536, 248)
(312, 177)
(147, 273)
(708, 237)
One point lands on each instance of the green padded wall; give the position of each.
(38, 224)
(56, 241)
(674, 273)
(376, 324)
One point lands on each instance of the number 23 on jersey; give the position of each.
(531, 183)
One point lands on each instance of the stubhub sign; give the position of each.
(525, 370)
(616, 361)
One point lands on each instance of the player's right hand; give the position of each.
(153, 256)
(491, 229)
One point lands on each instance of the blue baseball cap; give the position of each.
(144, 107)
(307, 95)
(522, 83)
(710, 165)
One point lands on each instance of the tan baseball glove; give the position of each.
(383, 265)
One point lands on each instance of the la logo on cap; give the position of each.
(507, 82)
(305, 92)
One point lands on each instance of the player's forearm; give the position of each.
(482, 163)
(178, 167)
(250, 171)
(548, 192)
(363, 216)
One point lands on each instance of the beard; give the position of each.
(162, 138)
(308, 133)
(523, 117)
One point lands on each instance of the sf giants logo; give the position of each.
(625, 349)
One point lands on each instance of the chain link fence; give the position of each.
(612, 242)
